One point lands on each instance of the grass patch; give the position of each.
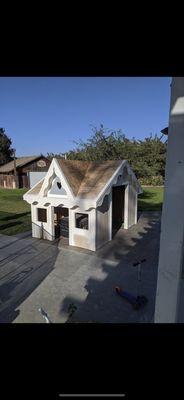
(15, 213)
(151, 199)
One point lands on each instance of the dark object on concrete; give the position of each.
(136, 302)
(138, 262)
(71, 309)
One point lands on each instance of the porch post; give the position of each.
(170, 285)
(50, 222)
(110, 215)
(126, 213)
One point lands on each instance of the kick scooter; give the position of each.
(138, 301)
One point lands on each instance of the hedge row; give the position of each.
(152, 180)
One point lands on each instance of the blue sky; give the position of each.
(47, 114)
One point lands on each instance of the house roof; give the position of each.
(36, 188)
(20, 162)
(86, 179)
(74, 172)
(165, 131)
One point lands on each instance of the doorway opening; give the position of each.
(61, 224)
(118, 204)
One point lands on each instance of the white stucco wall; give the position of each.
(170, 283)
(48, 227)
(84, 238)
(103, 222)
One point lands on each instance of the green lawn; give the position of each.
(151, 199)
(15, 213)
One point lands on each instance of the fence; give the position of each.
(8, 181)
(12, 181)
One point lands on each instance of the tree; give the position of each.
(6, 151)
(101, 146)
(146, 157)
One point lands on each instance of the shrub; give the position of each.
(152, 180)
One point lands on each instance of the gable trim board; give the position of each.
(86, 187)
(55, 169)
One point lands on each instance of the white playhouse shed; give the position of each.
(86, 202)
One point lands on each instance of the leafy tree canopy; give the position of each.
(147, 157)
(6, 151)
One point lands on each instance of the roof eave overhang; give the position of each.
(83, 204)
(106, 189)
(113, 180)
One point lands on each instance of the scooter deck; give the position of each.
(136, 302)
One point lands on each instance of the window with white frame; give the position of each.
(81, 221)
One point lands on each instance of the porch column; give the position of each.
(170, 285)
(130, 211)
(110, 215)
(49, 231)
(36, 230)
(126, 206)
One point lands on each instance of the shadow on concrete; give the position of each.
(21, 278)
(102, 304)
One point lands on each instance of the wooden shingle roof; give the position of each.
(36, 189)
(87, 178)
(20, 162)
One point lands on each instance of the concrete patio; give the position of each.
(35, 273)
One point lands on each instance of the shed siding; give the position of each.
(102, 222)
(130, 207)
(9, 181)
(33, 166)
